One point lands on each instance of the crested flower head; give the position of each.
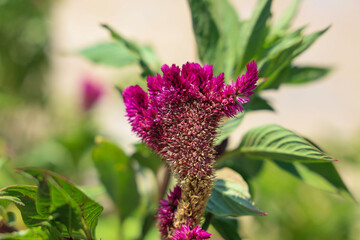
(185, 233)
(148, 112)
(167, 210)
(179, 118)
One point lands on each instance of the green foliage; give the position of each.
(37, 233)
(229, 127)
(296, 75)
(226, 227)
(146, 157)
(122, 52)
(114, 54)
(117, 175)
(54, 205)
(247, 168)
(23, 48)
(215, 25)
(275, 142)
(283, 24)
(231, 198)
(298, 211)
(319, 175)
(252, 34)
(56, 209)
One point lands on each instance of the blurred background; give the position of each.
(53, 102)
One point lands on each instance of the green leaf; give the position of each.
(252, 34)
(150, 57)
(308, 40)
(276, 62)
(226, 227)
(205, 29)
(275, 142)
(117, 175)
(147, 59)
(12, 199)
(114, 54)
(65, 209)
(228, 127)
(34, 234)
(43, 197)
(216, 28)
(258, 103)
(24, 197)
(320, 175)
(299, 75)
(273, 51)
(69, 205)
(247, 168)
(230, 198)
(285, 20)
(147, 157)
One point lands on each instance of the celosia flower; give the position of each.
(91, 93)
(185, 233)
(167, 210)
(179, 117)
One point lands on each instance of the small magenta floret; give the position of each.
(167, 210)
(185, 233)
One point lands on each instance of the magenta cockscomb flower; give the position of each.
(91, 93)
(185, 233)
(179, 118)
(167, 210)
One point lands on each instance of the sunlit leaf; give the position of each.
(252, 34)
(69, 205)
(320, 175)
(275, 142)
(308, 40)
(216, 28)
(285, 20)
(306, 74)
(113, 54)
(274, 65)
(147, 59)
(27, 207)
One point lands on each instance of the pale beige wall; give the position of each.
(314, 110)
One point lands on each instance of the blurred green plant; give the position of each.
(132, 181)
(23, 49)
(52, 210)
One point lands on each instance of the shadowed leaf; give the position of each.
(117, 175)
(226, 227)
(231, 198)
